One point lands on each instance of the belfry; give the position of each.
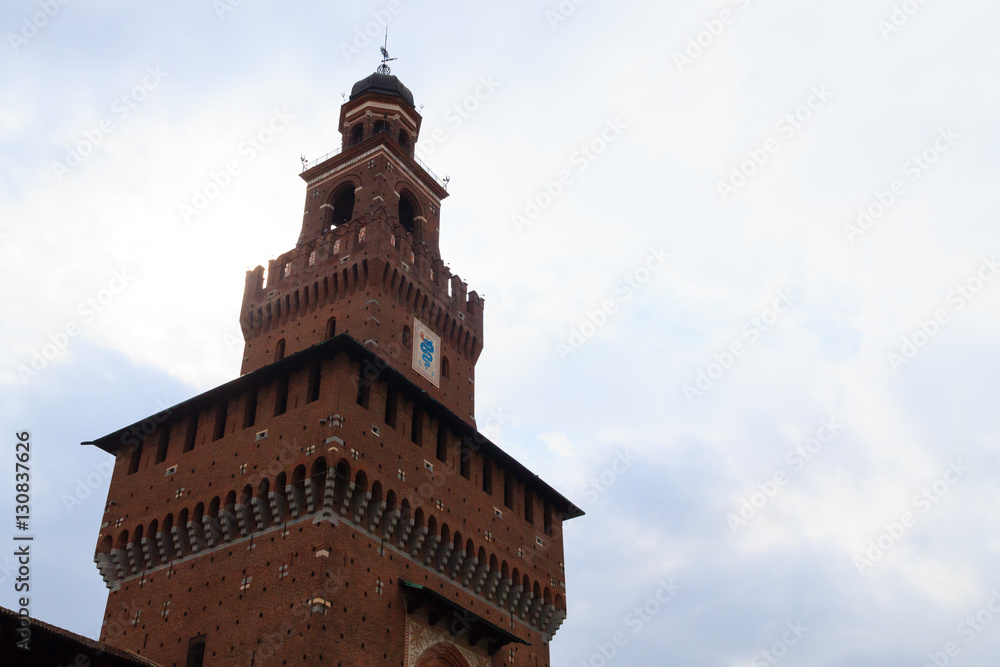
(335, 504)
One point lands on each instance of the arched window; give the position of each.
(331, 327)
(279, 350)
(380, 126)
(406, 336)
(445, 367)
(404, 140)
(407, 211)
(343, 205)
(357, 134)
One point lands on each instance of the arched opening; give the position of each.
(154, 551)
(197, 520)
(404, 140)
(357, 134)
(441, 655)
(299, 484)
(137, 544)
(105, 545)
(380, 126)
(168, 534)
(280, 482)
(407, 211)
(343, 205)
(341, 481)
(279, 350)
(318, 475)
(445, 367)
(331, 327)
(264, 502)
(122, 540)
(407, 337)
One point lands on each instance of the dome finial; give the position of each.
(384, 67)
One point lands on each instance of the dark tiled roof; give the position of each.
(382, 84)
(51, 645)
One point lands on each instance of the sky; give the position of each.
(741, 265)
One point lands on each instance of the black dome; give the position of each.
(382, 84)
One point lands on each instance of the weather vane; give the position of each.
(384, 67)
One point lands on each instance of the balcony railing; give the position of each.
(306, 166)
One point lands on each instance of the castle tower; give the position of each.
(367, 261)
(335, 503)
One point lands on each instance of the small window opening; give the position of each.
(391, 405)
(407, 212)
(192, 431)
(279, 350)
(281, 400)
(417, 426)
(487, 476)
(364, 392)
(312, 389)
(343, 205)
(133, 464)
(250, 409)
(442, 442)
(196, 652)
(221, 412)
(161, 447)
(465, 463)
(508, 489)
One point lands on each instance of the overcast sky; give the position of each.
(739, 261)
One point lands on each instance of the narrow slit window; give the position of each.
(161, 447)
(281, 399)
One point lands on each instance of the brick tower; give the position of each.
(335, 504)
